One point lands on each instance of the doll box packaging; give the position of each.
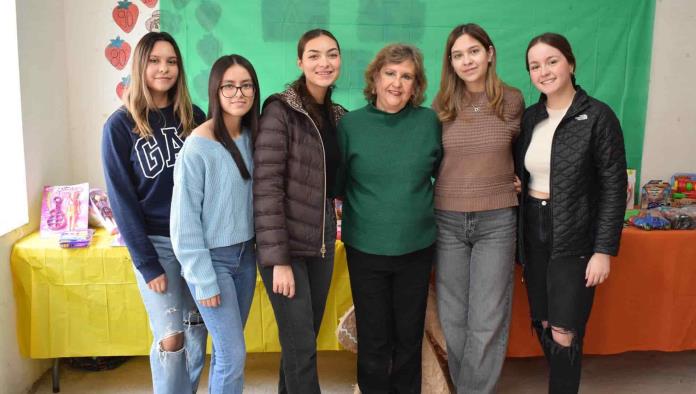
(64, 208)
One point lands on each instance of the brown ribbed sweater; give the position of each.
(477, 170)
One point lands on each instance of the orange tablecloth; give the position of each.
(648, 303)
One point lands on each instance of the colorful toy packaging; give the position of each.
(339, 215)
(665, 218)
(64, 208)
(680, 218)
(654, 194)
(76, 239)
(631, 189)
(649, 219)
(683, 190)
(100, 213)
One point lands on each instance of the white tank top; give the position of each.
(537, 161)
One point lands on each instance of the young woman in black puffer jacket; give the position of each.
(571, 161)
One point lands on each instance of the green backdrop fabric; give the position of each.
(611, 40)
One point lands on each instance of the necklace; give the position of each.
(477, 108)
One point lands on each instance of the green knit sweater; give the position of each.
(388, 164)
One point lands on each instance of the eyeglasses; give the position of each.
(229, 90)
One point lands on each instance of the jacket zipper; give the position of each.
(322, 250)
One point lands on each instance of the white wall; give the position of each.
(47, 149)
(68, 91)
(670, 131)
(92, 79)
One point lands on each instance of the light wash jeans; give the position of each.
(474, 274)
(171, 313)
(235, 267)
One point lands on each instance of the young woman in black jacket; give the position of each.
(571, 161)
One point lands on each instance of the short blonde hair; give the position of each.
(395, 54)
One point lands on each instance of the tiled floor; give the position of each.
(634, 373)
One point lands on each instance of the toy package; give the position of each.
(339, 215)
(654, 194)
(665, 218)
(631, 188)
(100, 213)
(649, 219)
(64, 208)
(76, 239)
(683, 190)
(680, 218)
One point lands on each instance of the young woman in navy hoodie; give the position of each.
(140, 144)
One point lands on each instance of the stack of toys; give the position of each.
(683, 190)
(667, 205)
(66, 212)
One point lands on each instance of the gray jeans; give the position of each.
(474, 274)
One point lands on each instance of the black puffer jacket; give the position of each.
(289, 181)
(588, 177)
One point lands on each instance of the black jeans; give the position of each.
(390, 295)
(556, 288)
(557, 294)
(299, 318)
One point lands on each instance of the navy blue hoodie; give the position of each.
(139, 180)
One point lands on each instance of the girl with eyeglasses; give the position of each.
(212, 222)
(140, 145)
(296, 158)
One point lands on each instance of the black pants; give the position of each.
(299, 318)
(390, 295)
(557, 294)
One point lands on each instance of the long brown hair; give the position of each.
(250, 120)
(453, 95)
(300, 84)
(138, 99)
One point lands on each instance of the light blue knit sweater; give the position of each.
(211, 207)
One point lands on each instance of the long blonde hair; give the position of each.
(138, 99)
(453, 96)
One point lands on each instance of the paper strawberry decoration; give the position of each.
(150, 3)
(118, 53)
(125, 15)
(121, 86)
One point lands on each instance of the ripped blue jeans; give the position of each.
(171, 313)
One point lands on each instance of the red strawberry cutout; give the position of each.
(121, 86)
(150, 3)
(125, 15)
(118, 53)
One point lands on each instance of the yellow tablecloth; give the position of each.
(85, 302)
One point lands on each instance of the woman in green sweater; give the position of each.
(390, 150)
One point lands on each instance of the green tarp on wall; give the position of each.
(612, 41)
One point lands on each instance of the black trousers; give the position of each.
(557, 294)
(299, 318)
(390, 295)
